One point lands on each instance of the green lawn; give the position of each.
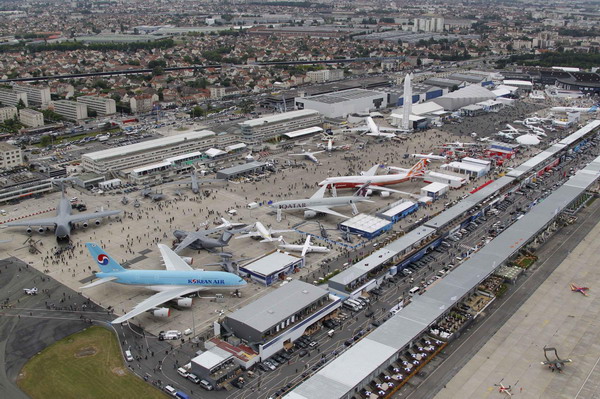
(88, 364)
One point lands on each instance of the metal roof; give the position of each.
(242, 168)
(342, 374)
(367, 223)
(278, 305)
(271, 263)
(285, 116)
(303, 132)
(148, 145)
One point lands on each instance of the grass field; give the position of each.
(88, 364)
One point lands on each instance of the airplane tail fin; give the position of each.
(104, 261)
(418, 169)
(226, 236)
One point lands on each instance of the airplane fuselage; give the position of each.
(357, 181)
(203, 241)
(63, 229)
(306, 203)
(299, 248)
(175, 278)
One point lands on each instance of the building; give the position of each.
(103, 106)
(471, 167)
(343, 103)
(7, 113)
(255, 131)
(142, 103)
(468, 95)
(451, 180)
(38, 96)
(398, 210)
(435, 24)
(10, 156)
(241, 170)
(11, 98)
(70, 110)
(434, 190)
(133, 155)
(324, 75)
(366, 225)
(216, 365)
(31, 118)
(276, 320)
(272, 267)
(217, 92)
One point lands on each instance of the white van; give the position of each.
(349, 305)
(355, 303)
(170, 390)
(413, 290)
(171, 334)
(330, 333)
(128, 356)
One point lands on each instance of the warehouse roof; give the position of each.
(148, 145)
(271, 263)
(278, 305)
(285, 116)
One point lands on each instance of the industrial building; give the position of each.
(31, 118)
(241, 170)
(273, 267)
(435, 190)
(274, 321)
(471, 167)
(38, 96)
(255, 131)
(7, 113)
(420, 93)
(103, 106)
(129, 156)
(70, 110)
(468, 95)
(11, 98)
(451, 180)
(398, 210)
(343, 103)
(366, 225)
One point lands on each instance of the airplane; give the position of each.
(330, 147)
(63, 221)
(458, 144)
(503, 389)
(512, 130)
(375, 131)
(593, 108)
(31, 291)
(200, 239)
(377, 181)
(172, 284)
(153, 195)
(263, 232)
(430, 156)
(229, 264)
(195, 182)
(581, 290)
(556, 364)
(319, 204)
(308, 155)
(304, 249)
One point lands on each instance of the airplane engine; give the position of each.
(41, 230)
(29, 230)
(384, 194)
(310, 214)
(369, 193)
(161, 312)
(85, 225)
(97, 222)
(188, 259)
(184, 302)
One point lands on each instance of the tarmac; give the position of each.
(553, 316)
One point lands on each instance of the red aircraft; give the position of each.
(581, 290)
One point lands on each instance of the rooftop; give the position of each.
(285, 116)
(271, 263)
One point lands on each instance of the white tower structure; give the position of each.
(407, 102)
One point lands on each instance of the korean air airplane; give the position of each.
(172, 284)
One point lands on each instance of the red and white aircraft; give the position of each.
(581, 290)
(377, 181)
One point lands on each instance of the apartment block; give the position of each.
(103, 106)
(38, 96)
(7, 113)
(10, 156)
(70, 109)
(11, 98)
(31, 118)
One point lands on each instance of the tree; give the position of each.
(156, 71)
(45, 140)
(20, 104)
(92, 113)
(197, 112)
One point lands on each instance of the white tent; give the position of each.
(468, 95)
(528, 139)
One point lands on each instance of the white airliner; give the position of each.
(319, 204)
(376, 131)
(575, 109)
(377, 181)
(262, 231)
(308, 155)
(430, 156)
(304, 249)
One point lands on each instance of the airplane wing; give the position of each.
(156, 300)
(250, 234)
(306, 246)
(320, 193)
(372, 171)
(98, 282)
(172, 260)
(88, 216)
(187, 241)
(45, 222)
(324, 209)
